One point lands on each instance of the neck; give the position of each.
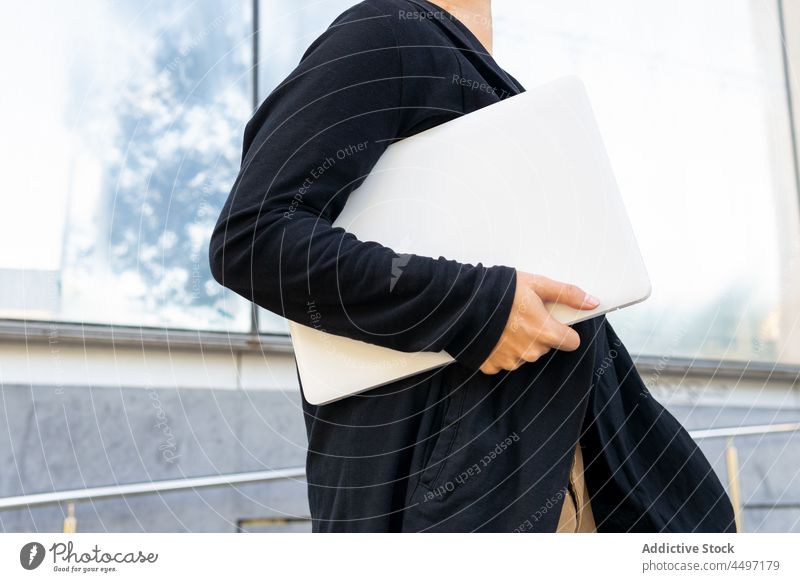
(474, 14)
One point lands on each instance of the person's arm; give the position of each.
(309, 145)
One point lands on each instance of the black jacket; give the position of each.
(453, 449)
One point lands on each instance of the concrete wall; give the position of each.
(56, 437)
(73, 437)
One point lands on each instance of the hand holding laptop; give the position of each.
(531, 331)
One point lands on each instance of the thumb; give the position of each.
(565, 293)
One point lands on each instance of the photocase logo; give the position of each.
(31, 555)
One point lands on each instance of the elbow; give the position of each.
(216, 259)
(227, 256)
(241, 264)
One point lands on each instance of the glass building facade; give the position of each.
(123, 124)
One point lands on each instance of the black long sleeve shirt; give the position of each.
(310, 144)
(451, 449)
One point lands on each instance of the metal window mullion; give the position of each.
(785, 55)
(254, 319)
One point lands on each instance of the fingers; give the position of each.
(565, 293)
(489, 369)
(555, 335)
(560, 336)
(535, 352)
(531, 332)
(505, 357)
(510, 364)
(552, 333)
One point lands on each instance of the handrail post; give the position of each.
(732, 465)
(70, 521)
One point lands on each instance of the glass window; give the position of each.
(122, 138)
(286, 29)
(690, 97)
(691, 100)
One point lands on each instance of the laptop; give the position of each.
(497, 186)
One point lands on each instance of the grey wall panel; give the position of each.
(64, 438)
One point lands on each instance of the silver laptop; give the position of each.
(497, 186)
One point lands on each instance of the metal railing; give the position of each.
(93, 493)
(70, 497)
(732, 459)
(732, 432)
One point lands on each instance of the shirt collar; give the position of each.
(467, 38)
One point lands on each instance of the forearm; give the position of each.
(302, 268)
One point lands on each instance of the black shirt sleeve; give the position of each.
(310, 144)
